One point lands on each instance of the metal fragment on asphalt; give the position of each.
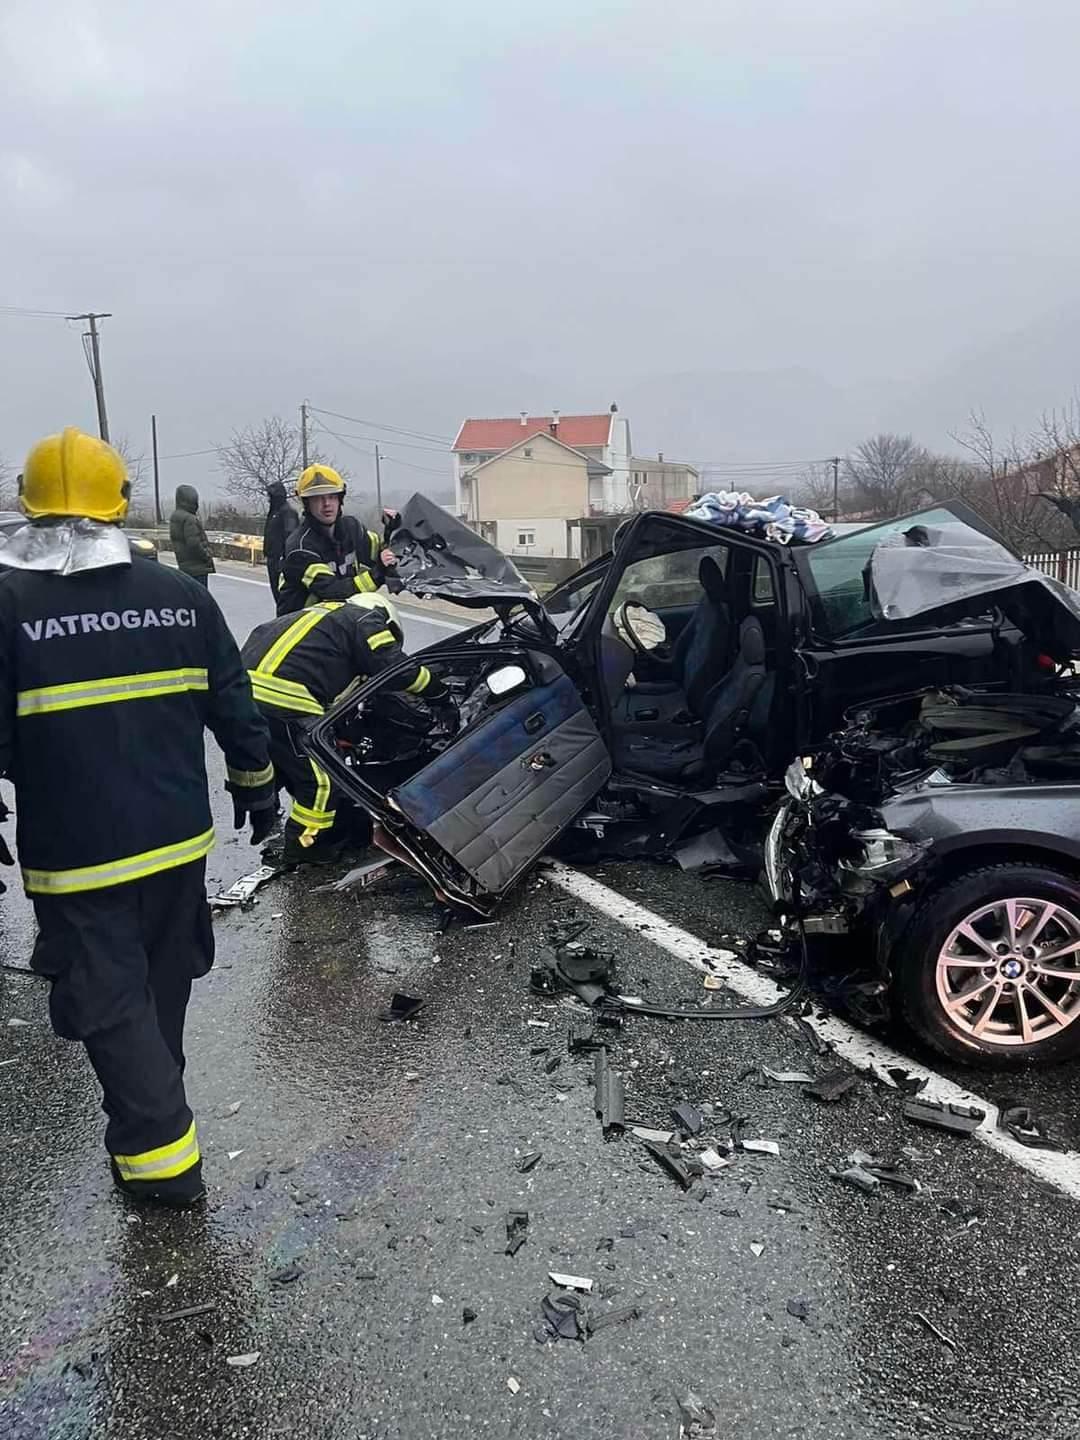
(241, 892)
(186, 1314)
(571, 1282)
(925, 1321)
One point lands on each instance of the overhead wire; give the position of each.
(31, 314)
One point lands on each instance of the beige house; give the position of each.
(654, 484)
(525, 498)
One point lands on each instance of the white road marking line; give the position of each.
(862, 1051)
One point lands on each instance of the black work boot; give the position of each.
(180, 1192)
(324, 853)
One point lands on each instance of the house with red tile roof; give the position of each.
(530, 483)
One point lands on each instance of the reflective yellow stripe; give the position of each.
(312, 571)
(116, 872)
(294, 634)
(249, 777)
(284, 694)
(110, 688)
(165, 1163)
(322, 788)
(374, 544)
(312, 819)
(384, 637)
(364, 581)
(422, 681)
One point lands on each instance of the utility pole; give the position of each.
(157, 488)
(303, 434)
(95, 368)
(835, 463)
(378, 482)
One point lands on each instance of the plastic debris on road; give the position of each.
(242, 892)
(571, 1282)
(962, 1120)
(517, 1230)
(402, 1007)
(760, 1147)
(241, 1362)
(1021, 1122)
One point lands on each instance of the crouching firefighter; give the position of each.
(300, 664)
(110, 667)
(329, 556)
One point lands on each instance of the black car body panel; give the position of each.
(825, 648)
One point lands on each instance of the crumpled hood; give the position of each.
(956, 569)
(65, 548)
(187, 498)
(438, 555)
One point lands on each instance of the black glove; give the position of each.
(263, 819)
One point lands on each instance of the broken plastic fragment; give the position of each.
(517, 1227)
(172, 1281)
(513, 1384)
(697, 1420)
(658, 1137)
(757, 1250)
(673, 1163)
(528, 1162)
(242, 891)
(831, 1087)
(787, 1077)
(761, 1147)
(241, 1362)
(15, 1022)
(412, 1075)
(713, 1160)
(232, 1154)
(687, 1118)
(962, 1120)
(233, 1108)
(798, 1309)
(861, 1179)
(564, 1316)
(612, 1317)
(1024, 1125)
(187, 1314)
(571, 1282)
(437, 1300)
(468, 1315)
(402, 1007)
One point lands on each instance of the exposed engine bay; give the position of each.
(831, 844)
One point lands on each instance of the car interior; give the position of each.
(687, 659)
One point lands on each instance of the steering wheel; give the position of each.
(641, 628)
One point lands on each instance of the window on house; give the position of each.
(528, 452)
(526, 537)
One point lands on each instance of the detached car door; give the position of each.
(472, 812)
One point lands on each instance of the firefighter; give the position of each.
(299, 664)
(330, 556)
(110, 668)
(281, 521)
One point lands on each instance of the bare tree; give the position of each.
(9, 488)
(263, 455)
(1005, 479)
(815, 488)
(135, 460)
(889, 475)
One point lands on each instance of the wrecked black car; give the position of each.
(941, 830)
(654, 698)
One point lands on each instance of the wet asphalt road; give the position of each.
(376, 1164)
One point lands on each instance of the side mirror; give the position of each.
(506, 679)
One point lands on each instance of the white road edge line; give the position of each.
(862, 1051)
(406, 610)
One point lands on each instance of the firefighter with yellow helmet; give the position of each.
(299, 664)
(111, 666)
(330, 556)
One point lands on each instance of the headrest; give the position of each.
(712, 579)
(752, 641)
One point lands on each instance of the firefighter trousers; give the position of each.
(121, 961)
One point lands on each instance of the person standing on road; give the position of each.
(298, 665)
(189, 542)
(330, 556)
(110, 668)
(281, 521)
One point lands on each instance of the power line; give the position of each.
(376, 425)
(33, 314)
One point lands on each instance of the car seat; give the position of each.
(699, 658)
(667, 753)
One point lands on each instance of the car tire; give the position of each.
(922, 972)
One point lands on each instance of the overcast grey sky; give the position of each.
(762, 227)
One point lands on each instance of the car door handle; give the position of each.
(535, 723)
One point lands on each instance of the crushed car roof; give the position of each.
(929, 568)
